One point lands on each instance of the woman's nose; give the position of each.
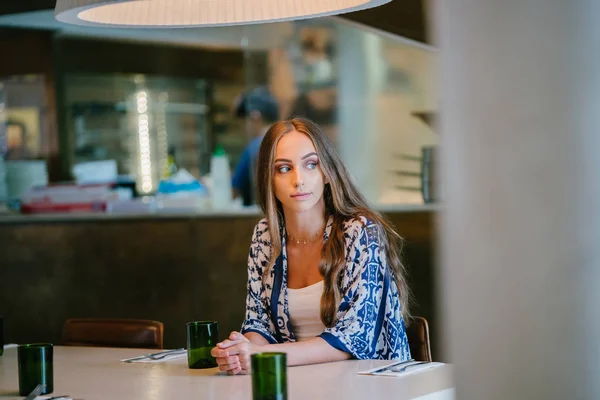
(298, 179)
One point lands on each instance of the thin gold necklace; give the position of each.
(311, 239)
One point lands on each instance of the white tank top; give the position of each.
(305, 311)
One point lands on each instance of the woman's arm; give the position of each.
(255, 338)
(235, 352)
(257, 327)
(311, 351)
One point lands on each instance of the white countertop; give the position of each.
(92, 373)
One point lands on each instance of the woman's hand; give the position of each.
(233, 354)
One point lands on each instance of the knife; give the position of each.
(152, 355)
(35, 392)
(389, 367)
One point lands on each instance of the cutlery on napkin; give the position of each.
(158, 356)
(402, 368)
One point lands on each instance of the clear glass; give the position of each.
(373, 93)
(25, 132)
(142, 122)
(202, 336)
(35, 363)
(28, 135)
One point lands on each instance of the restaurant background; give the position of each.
(378, 112)
(70, 96)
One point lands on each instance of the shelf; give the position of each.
(105, 107)
(181, 108)
(428, 117)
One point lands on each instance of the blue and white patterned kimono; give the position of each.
(368, 324)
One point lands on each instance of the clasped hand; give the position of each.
(233, 354)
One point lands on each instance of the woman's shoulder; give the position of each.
(359, 224)
(361, 228)
(261, 231)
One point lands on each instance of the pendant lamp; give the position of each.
(186, 13)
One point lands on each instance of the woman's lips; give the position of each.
(300, 196)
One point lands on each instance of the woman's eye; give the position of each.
(283, 169)
(311, 165)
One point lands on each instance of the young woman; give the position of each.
(325, 280)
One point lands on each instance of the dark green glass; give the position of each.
(1, 335)
(35, 367)
(202, 336)
(269, 376)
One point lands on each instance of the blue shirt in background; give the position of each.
(244, 175)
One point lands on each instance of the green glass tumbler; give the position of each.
(202, 337)
(1, 335)
(35, 367)
(269, 376)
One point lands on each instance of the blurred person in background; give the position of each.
(13, 141)
(260, 109)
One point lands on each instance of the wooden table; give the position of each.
(96, 373)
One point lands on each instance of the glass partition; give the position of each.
(24, 124)
(374, 94)
(144, 123)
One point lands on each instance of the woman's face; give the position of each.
(298, 179)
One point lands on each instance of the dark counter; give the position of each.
(173, 269)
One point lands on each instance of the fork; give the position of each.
(390, 367)
(404, 368)
(163, 355)
(36, 392)
(154, 356)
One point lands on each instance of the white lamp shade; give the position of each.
(249, 37)
(181, 13)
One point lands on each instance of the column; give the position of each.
(359, 83)
(520, 264)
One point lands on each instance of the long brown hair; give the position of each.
(342, 201)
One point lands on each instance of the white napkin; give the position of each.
(414, 367)
(166, 357)
(10, 346)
